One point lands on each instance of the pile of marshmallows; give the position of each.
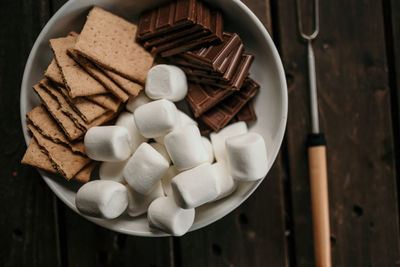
(175, 173)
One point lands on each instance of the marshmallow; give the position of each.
(218, 139)
(103, 199)
(195, 187)
(209, 149)
(160, 148)
(185, 119)
(156, 118)
(139, 203)
(108, 143)
(226, 183)
(247, 157)
(166, 82)
(127, 120)
(112, 171)
(164, 214)
(167, 178)
(185, 147)
(144, 169)
(135, 102)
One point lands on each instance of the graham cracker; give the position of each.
(99, 75)
(69, 111)
(35, 157)
(53, 73)
(83, 175)
(77, 80)
(107, 101)
(40, 118)
(127, 85)
(64, 105)
(85, 108)
(109, 41)
(71, 131)
(67, 163)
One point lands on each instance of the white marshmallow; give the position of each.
(218, 139)
(166, 82)
(156, 118)
(112, 171)
(247, 157)
(225, 180)
(108, 143)
(135, 102)
(185, 147)
(167, 178)
(185, 119)
(160, 148)
(144, 169)
(196, 186)
(209, 148)
(164, 214)
(127, 120)
(139, 203)
(103, 199)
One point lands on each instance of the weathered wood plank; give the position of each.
(252, 235)
(354, 98)
(86, 244)
(27, 221)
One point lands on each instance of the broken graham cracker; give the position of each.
(53, 73)
(107, 100)
(71, 131)
(99, 75)
(76, 79)
(34, 156)
(67, 163)
(69, 111)
(48, 127)
(109, 41)
(85, 108)
(127, 85)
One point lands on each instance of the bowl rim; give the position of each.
(212, 219)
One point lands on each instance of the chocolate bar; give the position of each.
(213, 55)
(219, 116)
(203, 97)
(236, 83)
(179, 26)
(247, 113)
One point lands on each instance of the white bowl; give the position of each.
(270, 104)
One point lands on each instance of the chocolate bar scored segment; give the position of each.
(167, 18)
(236, 83)
(219, 116)
(203, 21)
(247, 113)
(203, 97)
(195, 43)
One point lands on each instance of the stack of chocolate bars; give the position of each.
(91, 75)
(191, 36)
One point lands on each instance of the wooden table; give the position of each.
(358, 66)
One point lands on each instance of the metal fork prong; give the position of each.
(314, 34)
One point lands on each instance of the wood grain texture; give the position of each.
(354, 99)
(253, 234)
(28, 227)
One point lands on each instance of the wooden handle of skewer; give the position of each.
(319, 199)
